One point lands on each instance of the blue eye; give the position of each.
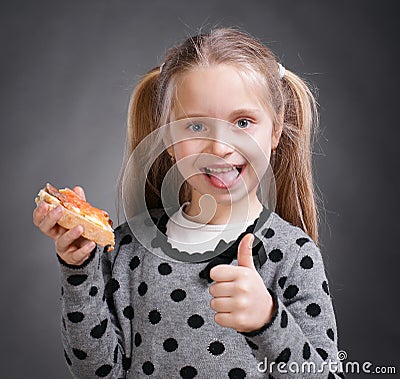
(196, 127)
(243, 123)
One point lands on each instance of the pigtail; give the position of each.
(141, 117)
(142, 120)
(292, 164)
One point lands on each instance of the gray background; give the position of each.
(67, 70)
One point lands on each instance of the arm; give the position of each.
(90, 332)
(302, 330)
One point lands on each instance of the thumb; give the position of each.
(80, 192)
(245, 251)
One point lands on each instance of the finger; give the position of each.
(222, 289)
(225, 273)
(47, 225)
(77, 257)
(222, 304)
(80, 192)
(40, 212)
(245, 252)
(225, 319)
(68, 239)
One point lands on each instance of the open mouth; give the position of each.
(223, 177)
(209, 170)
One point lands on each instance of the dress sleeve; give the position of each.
(90, 331)
(300, 340)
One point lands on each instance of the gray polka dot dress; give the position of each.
(138, 312)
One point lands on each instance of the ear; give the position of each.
(276, 135)
(171, 151)
(167, 142)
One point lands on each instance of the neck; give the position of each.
(205, 210)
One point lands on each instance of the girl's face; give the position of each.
(218, 124)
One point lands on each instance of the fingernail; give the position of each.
(58, 210)
(251, 241)
(78, 229)
(91, 246)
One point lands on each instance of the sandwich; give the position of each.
(96, 222)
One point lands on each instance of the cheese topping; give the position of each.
(71, 201)
(75, 203)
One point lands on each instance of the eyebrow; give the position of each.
(236, 113)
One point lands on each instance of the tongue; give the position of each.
(223, 179)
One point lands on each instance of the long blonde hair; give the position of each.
(290, 99)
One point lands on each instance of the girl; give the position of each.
(230, 109)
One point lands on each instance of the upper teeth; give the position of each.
(226, 169)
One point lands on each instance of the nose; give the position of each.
(217, 144)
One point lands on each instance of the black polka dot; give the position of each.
(111, 287)
(195, 321)
(306, 262)
(216, 348)
(126, 362)
(128, 312)
(98, 330)
(135, 261)
(93, 291)
(62, 291)
(313, 309)
(164, 269)
(325, 287)
(76, 280)
(138, 339)
(306, 351)
(251, 344)
(154, 316)
(330, 334)
(188, 372)
(284, 356)
(170, 344)
(142, 289)
(284, 319)
(178, 295)
(103, 371)
(80, 354)
(291, 291)
(282, 281)
(275, 255)
(236, 373)
(148, 368)
(268, 233)
(148, 222)
(75, 316)
(322, 353)
(67, 358)
(156, 242)
(126, 240)
(302, 241)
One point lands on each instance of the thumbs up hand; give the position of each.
(240, 297)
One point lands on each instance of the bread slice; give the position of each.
(95, 228)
